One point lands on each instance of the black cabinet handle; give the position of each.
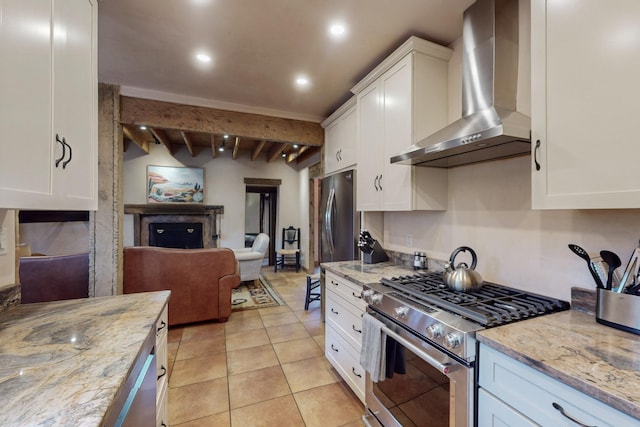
(375, 183)
(564, 414)
(164, 372)
(163, 424)
(380, 182)
(163, 325)
(535, 154)
(65, 163)
(355, 373)
(64, 149)
(356, 296)
(333, 311)
(357, 330)
(333, 348)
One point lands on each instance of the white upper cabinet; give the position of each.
(48, 104)
(400, 102)
(585, 66)
(340, 138)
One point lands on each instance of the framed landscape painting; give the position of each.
(170, 184)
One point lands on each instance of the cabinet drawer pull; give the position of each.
(64, 150)
(163, 325)
(357, 330)
(535, 154)
(375, 183)
(356, 296)
(333, 348)
(333, 311)
(355, 373)
(380, 182)
(164, 372)
(162, 424)
(334, 283)
(65, 163)
(564, 414)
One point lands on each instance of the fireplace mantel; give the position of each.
(144, 214)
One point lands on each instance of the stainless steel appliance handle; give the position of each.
(328, 220)
(444, 368)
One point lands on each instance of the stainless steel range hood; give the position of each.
(490, 127)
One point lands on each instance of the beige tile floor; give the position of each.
(263, 367)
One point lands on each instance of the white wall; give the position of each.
(490, 210)
(224, 185)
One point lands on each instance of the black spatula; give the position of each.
(585, 256)
(613, 261)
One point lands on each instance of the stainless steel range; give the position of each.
(435, 329)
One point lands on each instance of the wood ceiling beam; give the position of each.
(187, 142)
(257, 149)
(309, 152)
(275, 152)
(189, 118)
(236, 148)
(140, 138)
(163, 138)
(214, 147)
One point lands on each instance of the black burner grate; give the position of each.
(491, 305)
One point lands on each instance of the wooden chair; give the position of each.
(313, 282)
(289, 254)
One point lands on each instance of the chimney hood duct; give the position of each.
(490, 127)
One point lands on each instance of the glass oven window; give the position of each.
(418, 398)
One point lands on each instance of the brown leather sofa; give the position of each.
(53, 278)
(200, 280)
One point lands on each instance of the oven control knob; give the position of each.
(401, 312)
(366, 294)
(435, 331)
(452, 340)
(376, 299)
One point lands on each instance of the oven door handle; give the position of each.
(444, 368)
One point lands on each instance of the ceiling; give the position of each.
(258, 47)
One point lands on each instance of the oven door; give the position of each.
(435, 390)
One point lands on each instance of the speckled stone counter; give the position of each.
(361, 273)
(62, 363)
(571, 347)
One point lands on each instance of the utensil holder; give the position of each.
(617, 310)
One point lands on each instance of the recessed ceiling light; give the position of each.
(302, 82)
(226, 136)
(337, 30)
(143, 127)
(203, 57)
(295, 145)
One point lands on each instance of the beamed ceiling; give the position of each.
(197, 129)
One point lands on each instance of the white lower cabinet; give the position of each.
(162, 374)
(514, 394)
(343, 332)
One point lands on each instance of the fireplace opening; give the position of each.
(180, 235)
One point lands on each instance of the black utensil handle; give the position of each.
(585, 256)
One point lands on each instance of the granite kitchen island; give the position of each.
(65, 363)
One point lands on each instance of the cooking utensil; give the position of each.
(629, 278)
(462, 277)
(613, 261)
(625, 277)
(585, 256)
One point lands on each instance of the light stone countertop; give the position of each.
(600, 361)
(62, 363)
(362, 274)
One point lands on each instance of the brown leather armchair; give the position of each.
(200, 280)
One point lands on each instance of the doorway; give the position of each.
(260, 215)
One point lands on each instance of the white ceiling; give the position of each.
(259, 46)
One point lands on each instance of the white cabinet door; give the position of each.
(397, 185)
(585, 68)
(370, 149)
(75, 101)
(48, 88)
(340, 137)
(25, 104)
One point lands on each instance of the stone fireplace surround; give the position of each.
(143, 215)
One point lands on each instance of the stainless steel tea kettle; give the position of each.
(462, 278)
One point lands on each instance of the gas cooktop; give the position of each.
(491, 305)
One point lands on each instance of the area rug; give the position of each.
(255, 294)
